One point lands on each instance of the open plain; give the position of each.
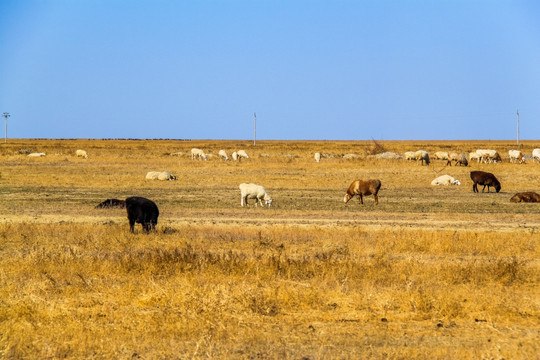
(430, 272)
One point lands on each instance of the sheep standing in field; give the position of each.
(486, 179)
(234, 156)
(253, 191)
(440, 155)
(36, 154)
(160, 175)
(460, 159)
(516, 156)
(361, 188)
(421, 156)
(488, 156)
(317, 157)
(474, 156)
(223, 155)
(142, 211)
(242, 154)
(445, 180)
(81, 153)
(409, 155)
(197, 153)
(536, 155)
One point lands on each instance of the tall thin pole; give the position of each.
(6, 115)
(255, 129)
(518, 127)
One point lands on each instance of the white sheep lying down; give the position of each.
(36, 154)
(445, 180)
(159, 175)
(254, 191)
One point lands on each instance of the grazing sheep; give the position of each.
(361, 188)
(160, 175)
(474, 156)
(242, 154)
(460, 159)
(445, 180)
(142, 211)
(197, 153)
(223, 155)
(81, 153)
(317, 157)
(422, 156)
(536, 155)
(441, 155)
(525, 197)
(36, 154)
(410, 155)
(488, 156)
(111, 203)
(516, 156)
(234, 156)
(253, 191)
(486, 179)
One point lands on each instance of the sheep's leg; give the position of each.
(242, 200)
(132, 225)
(484, 188)
(361, 199)
(475, 187)
(376, 199)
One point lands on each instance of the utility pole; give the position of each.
(518, 127)
(255, 129)
(6, 115)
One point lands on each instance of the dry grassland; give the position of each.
(431, 272)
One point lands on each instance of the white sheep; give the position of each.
(160, 175)
(409, 155)
(516, 156)
(488, 156)
(199, 153)
(536, 155)
(81, 153)
(474, 156)
(242, 153)
(445, 180)
(422, 156)
(441, 155)
(223, 155)
(253, 191)
(317, 156)
(234, 156)
(36, 154)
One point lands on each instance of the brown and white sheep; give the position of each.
(361, 188)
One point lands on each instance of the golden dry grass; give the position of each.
(429, 273)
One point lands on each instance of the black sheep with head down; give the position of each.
(142, 211)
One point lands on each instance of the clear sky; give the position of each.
(328, 70)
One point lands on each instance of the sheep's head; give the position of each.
(347, 198)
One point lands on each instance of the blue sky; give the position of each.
(328, 70)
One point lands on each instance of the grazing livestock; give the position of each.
(460, 159)
(253, 191)
(317, 157)
(36, 154)
(445, 180)
(361, 188)
(142, 211)
(525, 197)
(223, 155)
(488, 156)
(242, 154)
(441, 155)
(197, 153)
(234, 156)
(409, 155)
(516, 156)
(112, 203)
(474, 156)
(536, 155)
(422, 156)
(160, 175)
(486, 179)
(81, 153)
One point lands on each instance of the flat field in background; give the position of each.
(431, 272)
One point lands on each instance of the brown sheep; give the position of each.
(460, 159)
(486, 179)
(361, 188)
(525, 197)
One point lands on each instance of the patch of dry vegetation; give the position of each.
(429, 273)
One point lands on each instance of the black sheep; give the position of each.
(486, 179)
(142, 211)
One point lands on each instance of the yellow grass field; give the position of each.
(429, 273)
